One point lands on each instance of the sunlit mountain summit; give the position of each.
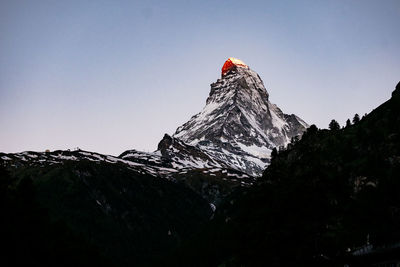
(239, 125)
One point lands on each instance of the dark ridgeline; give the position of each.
(329, 199)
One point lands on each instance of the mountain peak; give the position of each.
(231, 63)
(239, 125)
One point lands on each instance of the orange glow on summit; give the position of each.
(231, 62)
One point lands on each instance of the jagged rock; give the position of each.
(238, 125)
(182, 155)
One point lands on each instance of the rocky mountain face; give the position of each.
(174, 161)
(239, 126)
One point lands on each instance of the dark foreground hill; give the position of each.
(320, 200)
(95, 213)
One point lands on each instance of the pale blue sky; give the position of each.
(108, 76)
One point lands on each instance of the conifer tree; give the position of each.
(334, 125)
(356, 119)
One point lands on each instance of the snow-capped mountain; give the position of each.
(238, 125)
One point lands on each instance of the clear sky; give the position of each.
(108, 76)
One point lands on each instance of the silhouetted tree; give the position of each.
(334, 125)
(348, 123)
(356, 119)
(312, 129)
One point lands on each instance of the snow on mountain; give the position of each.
(238, 125)
(152, 164)
(209, 178)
